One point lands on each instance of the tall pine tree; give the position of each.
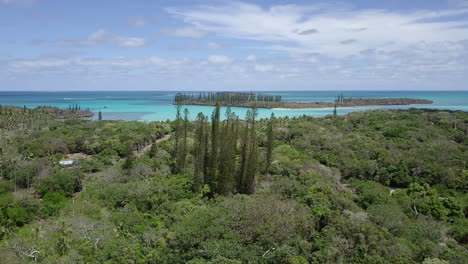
(227, 162)
(200, 152)
(214, 155)
(252, 165)
(178, 139)
(184, 147)
(269, 144)
(244, 155)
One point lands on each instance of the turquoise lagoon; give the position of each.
(157, 105)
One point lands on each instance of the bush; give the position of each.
(6, 186)
(397, 131)
(91, 165)
(53, 202)
(371, 193)
(18, 215)
(107, 155)
(459, 230)
(297, 260)
(388, 216)
(65, 182)
(6, 200)
(434, 261)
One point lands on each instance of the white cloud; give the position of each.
(308, 32)
(220, 59)
(38, 64)
(125, 42)
(103, 37)
(139, 21)
(264, 67)
(98, 65)
(251, 58)
(214, 46)
(307, 44)
(96, 37)
(185, 32)
(322, 29)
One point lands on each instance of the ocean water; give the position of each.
(157, 105)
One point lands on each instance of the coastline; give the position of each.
(56, 112)
(158, 106)
(355, 102)
(338, 107)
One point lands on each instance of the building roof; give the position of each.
(66, 162)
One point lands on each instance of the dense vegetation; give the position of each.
(215, 155)
(12, 117)
(224, 98)
(368, 187)
(275, 101)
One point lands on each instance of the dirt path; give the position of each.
(144, 150)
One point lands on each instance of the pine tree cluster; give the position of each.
(225, 153)
(225, 98)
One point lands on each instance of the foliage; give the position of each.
(64, 182)
(369, 187)
(225, 98)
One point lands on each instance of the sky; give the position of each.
(64, 45)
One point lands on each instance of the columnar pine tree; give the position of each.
(269, 145)
(184, 147)
(227, 162)
(206, 141)
(200, 153)
(215, 152)
(244, 155)
(251, 171)
(223, 176)
(214, 155)
(178, 139)
(225, 98)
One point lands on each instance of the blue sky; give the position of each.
(233, 45)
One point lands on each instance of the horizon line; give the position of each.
(320, 90)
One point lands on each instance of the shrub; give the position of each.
(66, 182)
(397, 131)
(53, 202)
(459, 230)
(18, 215)
(6, 186)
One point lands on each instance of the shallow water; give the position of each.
(157, 105)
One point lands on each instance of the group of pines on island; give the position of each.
(76, 107)
(341, 99)
(225, 98)
(221, 165)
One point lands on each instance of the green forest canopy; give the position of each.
(225, 98)
(368, 187)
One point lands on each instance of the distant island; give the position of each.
(236, 99)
